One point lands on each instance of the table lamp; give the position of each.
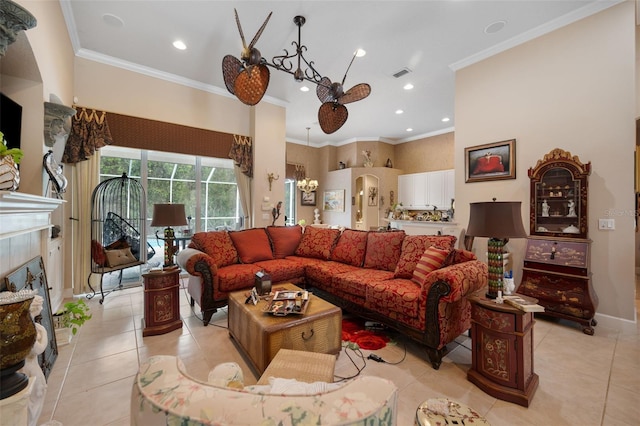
(498, 221)
(168, 215)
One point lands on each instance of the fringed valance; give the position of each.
(242, 154)
(89, 132)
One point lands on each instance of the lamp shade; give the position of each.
(168, 215)
(496, 219)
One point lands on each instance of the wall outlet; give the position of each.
(606, 224)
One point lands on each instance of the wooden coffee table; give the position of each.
(261, 335)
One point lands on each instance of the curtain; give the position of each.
(242, 155)
(89, 132)
(84, 176)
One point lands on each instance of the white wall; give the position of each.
(572, 89)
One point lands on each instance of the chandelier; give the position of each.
(248, 77)
(307, 185)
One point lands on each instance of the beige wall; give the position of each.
(572, 89)
(426, 155)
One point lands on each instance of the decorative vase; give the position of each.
(17, 336)
(9, 174)
(368, 163)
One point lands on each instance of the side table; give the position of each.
(502, 350)
(161, 302)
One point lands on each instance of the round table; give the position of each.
(443, 411)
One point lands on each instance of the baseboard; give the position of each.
(620, 324)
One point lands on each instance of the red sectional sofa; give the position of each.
(416, 284)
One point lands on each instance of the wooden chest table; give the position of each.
(261, 335)
(161, 302)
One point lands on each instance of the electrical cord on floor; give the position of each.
(348, 348)
(377, 358)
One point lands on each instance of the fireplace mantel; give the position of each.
(25, 213)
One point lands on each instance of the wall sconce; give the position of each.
(272, 177)
(57, 123)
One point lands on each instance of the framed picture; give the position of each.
(308, 198)
(333, 200)
(492, 161)
(373, 196)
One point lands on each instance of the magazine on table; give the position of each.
(285, 302)
(523, 303)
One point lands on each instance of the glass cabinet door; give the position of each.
(559, 196)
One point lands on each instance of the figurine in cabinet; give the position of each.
(545, 209)
(572, 209)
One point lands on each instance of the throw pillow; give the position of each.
(317, 242)
(252, 245)
(432, 259)
(218, 245)
(414, 246)
(383, 250)
(351, 247)
(120, 243)
(120, 257)
(285, 240)
(97, 253)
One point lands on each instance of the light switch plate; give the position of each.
(606, 224)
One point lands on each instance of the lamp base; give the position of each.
(496, 266)
(12, 382)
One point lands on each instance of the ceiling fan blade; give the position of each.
(244, 43)
(356, 93)
(231, 67)
(259, 33)
(332, 116)
(323, 90)
(251, 84)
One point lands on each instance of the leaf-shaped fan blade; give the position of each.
(332, 116)
(244, 43)
(356, 93)
(231, 67)
(251, 84)
(323, 90)
(259, 33)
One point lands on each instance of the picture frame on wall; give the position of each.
(492, 161)
(333, 200)
(308, 198)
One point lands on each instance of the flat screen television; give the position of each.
(10, 120)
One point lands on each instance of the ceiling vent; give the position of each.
(402, 72)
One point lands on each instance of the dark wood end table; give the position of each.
(161, 302)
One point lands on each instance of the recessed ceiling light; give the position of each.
(446, 119)
(304, 89)
(360, 53)
(399, 111)
(179, 44)
(409, 129)
(408, 86)
(113, 20)
(494, 27)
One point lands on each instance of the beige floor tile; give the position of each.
(622, 405)
(92, 347)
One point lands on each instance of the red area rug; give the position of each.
(354, 330)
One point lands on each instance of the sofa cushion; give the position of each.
(383, 250)
(396, 295)
(284, 240)
(119, 257)
(218, 245)
(321, 274)
(413, 247)
(460, 256)
(351, 247)
(317, 242)
(356, 282)
(252, 244)
(433, 258)
(282, 269)
(236, 277)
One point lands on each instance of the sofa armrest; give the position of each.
(188, 258)
(463, 278)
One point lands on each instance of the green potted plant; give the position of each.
(10, 176)
(69, 319)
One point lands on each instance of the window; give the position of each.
(206, 186)
(290, 202)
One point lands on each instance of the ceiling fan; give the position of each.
(248, 77)
(332, 113)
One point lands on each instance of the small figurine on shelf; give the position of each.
(572, 209)
(545, 208)
(316, 216)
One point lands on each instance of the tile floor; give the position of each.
(584, 380)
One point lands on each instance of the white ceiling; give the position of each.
(431, 38)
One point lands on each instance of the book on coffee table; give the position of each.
(285, 302)
(523, 303)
